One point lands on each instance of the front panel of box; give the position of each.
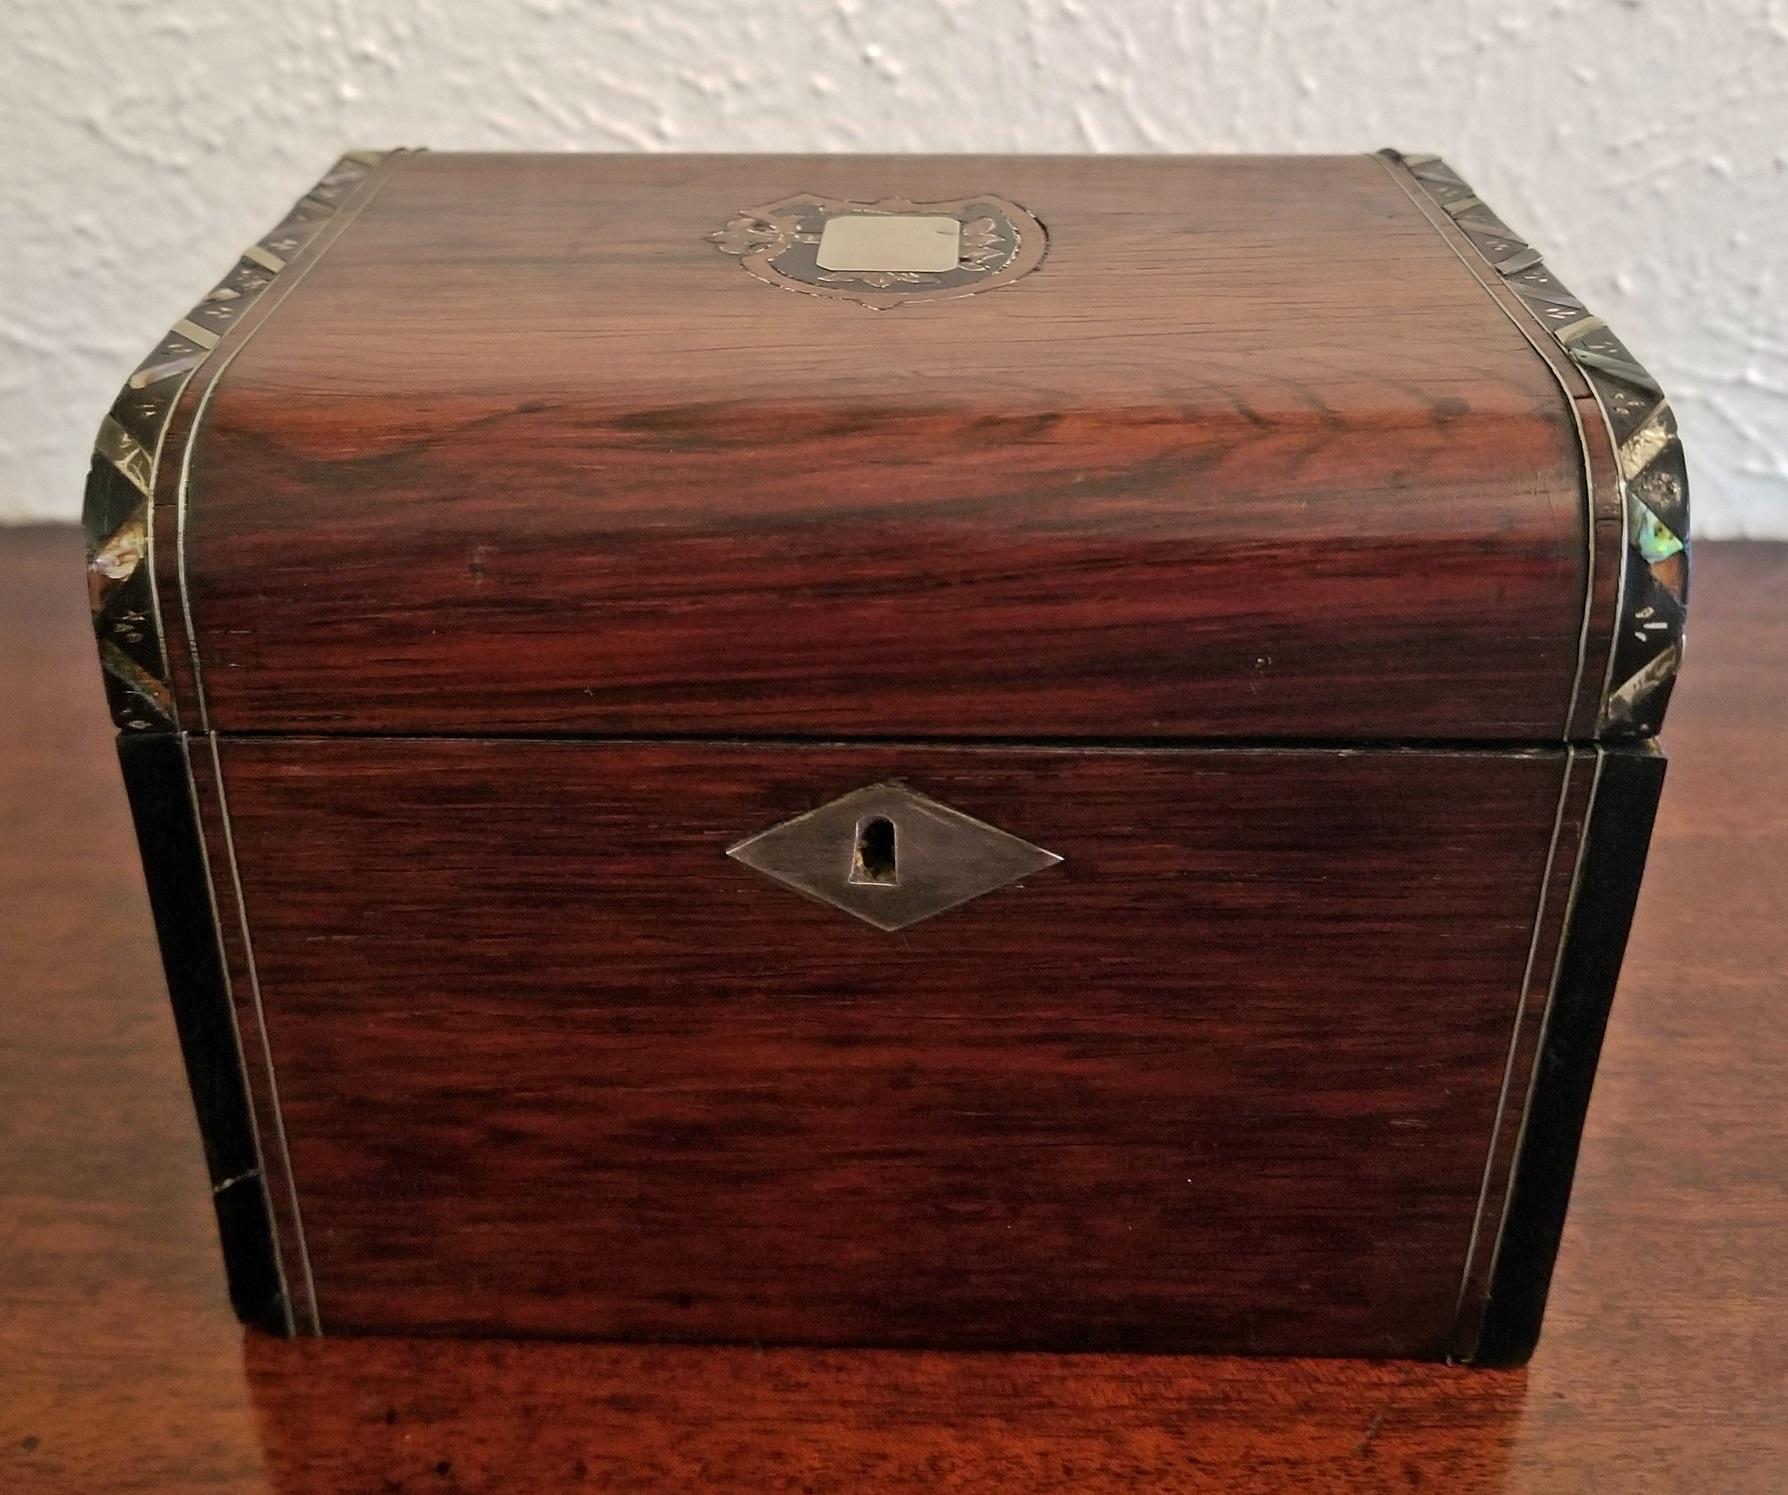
(1224, 1073)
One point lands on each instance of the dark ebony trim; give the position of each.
(161, 800)
(1613, 861)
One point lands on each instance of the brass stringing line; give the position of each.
(1519, 1027)
(282, 286)
(1427, 208)
(314, 1322)
(1589, 811)
(223, 962)
(265, 306)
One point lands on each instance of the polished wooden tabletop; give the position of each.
(1664, 1363)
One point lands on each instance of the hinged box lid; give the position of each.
(891, 447)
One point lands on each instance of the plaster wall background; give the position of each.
(1643, 144)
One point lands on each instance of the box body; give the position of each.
(696, 789)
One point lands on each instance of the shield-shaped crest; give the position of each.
(885, 253)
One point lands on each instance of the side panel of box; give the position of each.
(551, 1062)
(162, 803)
(1617, 838)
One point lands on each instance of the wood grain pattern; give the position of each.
(1644, 489)
(1251, 455)
(1508, 1128)
(561, 1066)
(143, 646)
(1604, 896)
(1605, 523)
(1663, 1367)
(241, 996)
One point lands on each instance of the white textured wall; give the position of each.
(1642, 143)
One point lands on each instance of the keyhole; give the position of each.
(873, 862)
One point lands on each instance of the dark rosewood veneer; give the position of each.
(1252, 587)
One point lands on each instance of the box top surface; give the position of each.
(1182, 448)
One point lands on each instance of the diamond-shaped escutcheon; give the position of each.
(890, 855)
